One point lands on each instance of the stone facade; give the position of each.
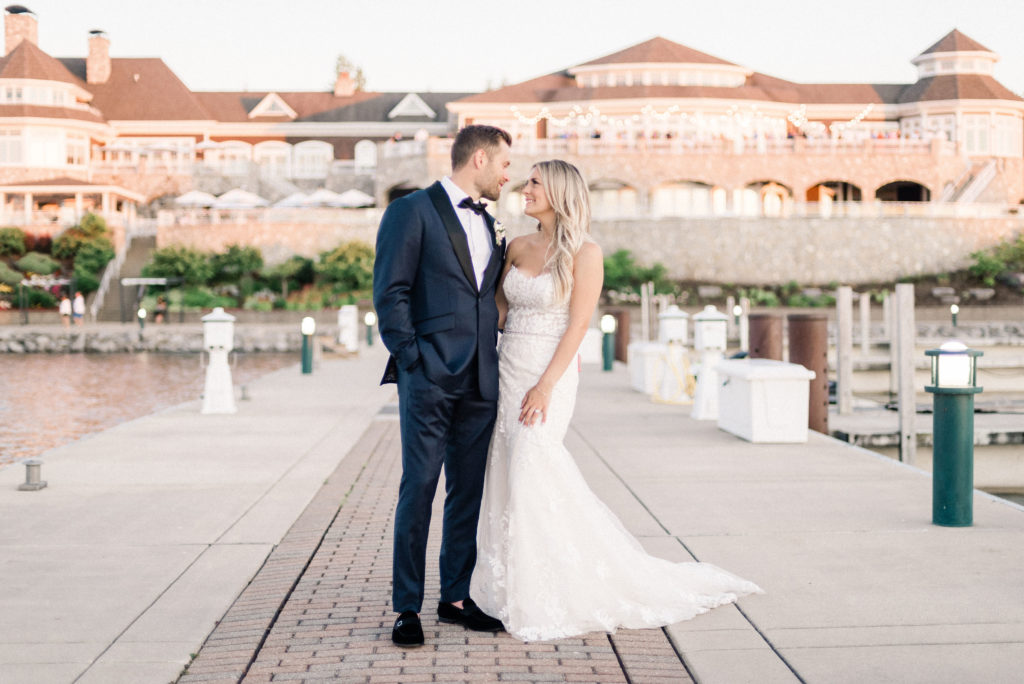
(810, 251)
(747, 251)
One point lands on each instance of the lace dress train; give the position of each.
(552, 560)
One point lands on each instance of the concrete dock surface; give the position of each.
(260, 544)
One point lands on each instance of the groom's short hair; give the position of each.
(472, 138)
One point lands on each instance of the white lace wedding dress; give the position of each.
(552, 559)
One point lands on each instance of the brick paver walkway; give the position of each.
(320, 609)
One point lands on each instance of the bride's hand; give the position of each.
(535, 406)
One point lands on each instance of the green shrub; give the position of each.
(202, 298)
(12, 241)
(191, 265)
(94, 255)
(760, 297)
(66, 245)
(92, 226)
(623, 274)
(290, 275)
(9, 276)
(40, 299)
(349, 266)
(236, 263)
(1011, 254)
(85, 280)
(254, 304)
(34, 262)
(986, 267)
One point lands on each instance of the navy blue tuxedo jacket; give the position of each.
(431, 313)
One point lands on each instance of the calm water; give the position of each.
(51, 399)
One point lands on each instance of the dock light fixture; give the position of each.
(954, 383)
(953, 311)
(141, 315)
(33, 480)
(308, 328)
(370, 319)
(608, 325)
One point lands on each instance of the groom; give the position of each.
(438, 262)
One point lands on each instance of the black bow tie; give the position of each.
(478, 207)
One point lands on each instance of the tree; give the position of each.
(349, 266)
(343, 63)
(179, 262)
(623, 274)
(298, 269)
(236, 263)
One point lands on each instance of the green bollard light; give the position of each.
(954, 384)
(370, 319)
(308, 328)
(608, 341)
(953, 311)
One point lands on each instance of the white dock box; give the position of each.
(762, 400)
(645, 360)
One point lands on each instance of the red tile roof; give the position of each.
(658, 50)
(141, 88)
(538, 89)
(41, 112)
(560, 87)
(954, 41)
(28, 61)
(957, 87)
(235, 106)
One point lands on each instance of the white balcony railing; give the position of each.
(684, 146)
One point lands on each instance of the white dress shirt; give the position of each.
(479, 238)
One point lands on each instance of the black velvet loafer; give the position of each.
(469, 616)
(408, 631)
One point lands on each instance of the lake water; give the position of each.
(51, 399)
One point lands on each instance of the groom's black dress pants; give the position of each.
(453, 430)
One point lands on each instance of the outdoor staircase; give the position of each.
(977, 183)
(969, 186)
(135, 258)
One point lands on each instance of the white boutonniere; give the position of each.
(499, 232)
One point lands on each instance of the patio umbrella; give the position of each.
(195, 198)
(296, 199)
(354, 198)
(239, 199)
(323, 198)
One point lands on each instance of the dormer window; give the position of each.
(272, 105)
(412, 105)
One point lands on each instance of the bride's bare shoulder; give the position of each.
(589, 254)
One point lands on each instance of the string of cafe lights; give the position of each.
(580, 117)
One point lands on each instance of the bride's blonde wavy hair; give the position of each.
(568, 195)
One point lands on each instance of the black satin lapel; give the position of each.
(443, 205)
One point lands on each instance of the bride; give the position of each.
(552, 560)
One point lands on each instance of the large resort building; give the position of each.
(667, 137)
(669, 131)
(104, 122)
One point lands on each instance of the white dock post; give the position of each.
(865, 323)
(904, 330)
(844, 349)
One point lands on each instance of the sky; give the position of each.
(469, 46)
